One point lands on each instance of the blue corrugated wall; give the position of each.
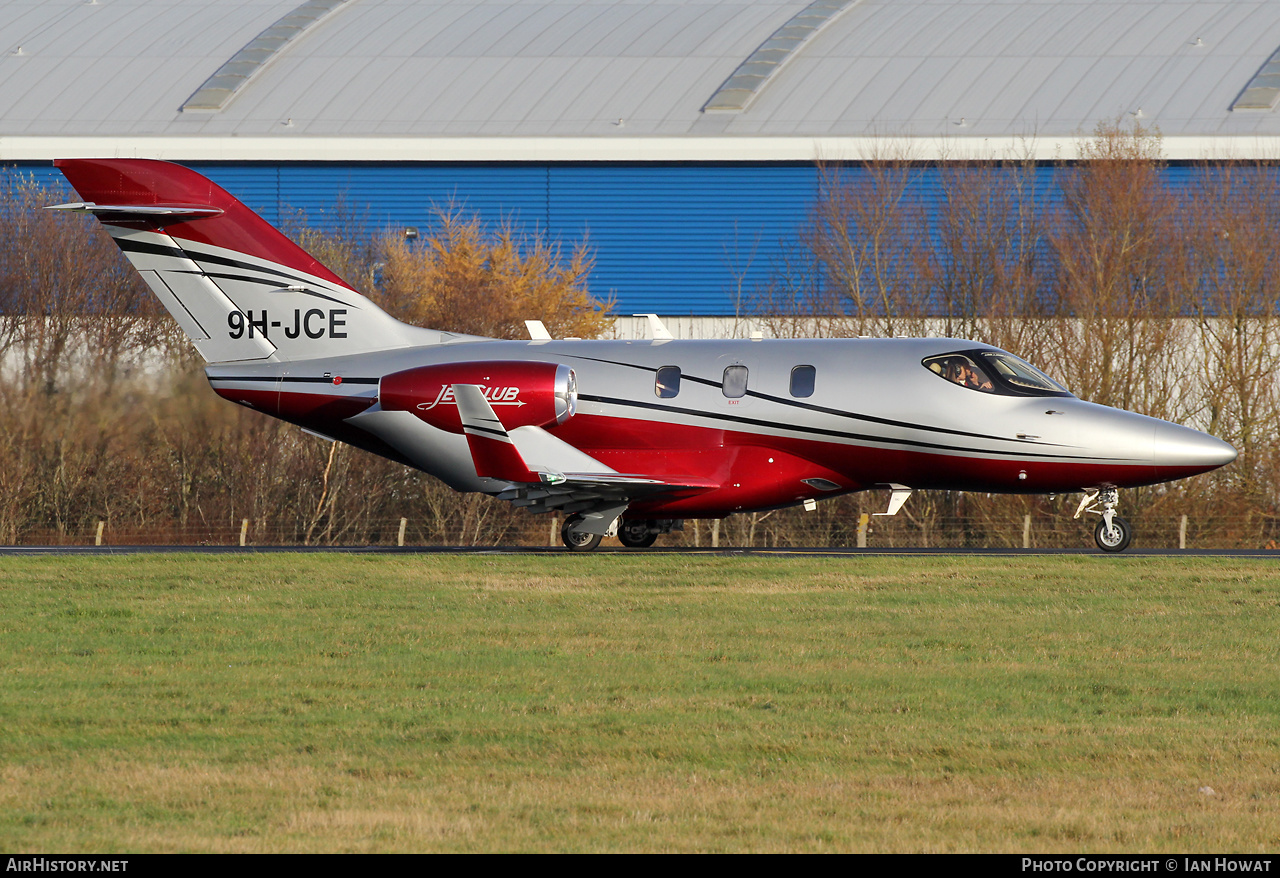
(673, 239)
(676, 239)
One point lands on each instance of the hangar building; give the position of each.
(681, 138)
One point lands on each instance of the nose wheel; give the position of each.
(1113, 537)
(1113, 533)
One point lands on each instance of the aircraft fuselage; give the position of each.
(874, 415)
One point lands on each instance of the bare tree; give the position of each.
(1235, 242)
(870, 236)
(1110, 239)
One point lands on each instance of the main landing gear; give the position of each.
(578, 541)
(1113, 533)
(637, 534)
(634, 533)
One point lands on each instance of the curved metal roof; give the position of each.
(626, 78)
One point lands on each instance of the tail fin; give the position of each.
(239, 288)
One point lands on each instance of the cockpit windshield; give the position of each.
(994, 372)
(1020, 373)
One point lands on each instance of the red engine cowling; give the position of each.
(522, 392)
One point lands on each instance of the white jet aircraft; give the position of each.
(621, 437)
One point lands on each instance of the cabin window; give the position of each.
(667, 384)
(735, 382)
(802, 381)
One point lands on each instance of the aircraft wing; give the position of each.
(547, 473)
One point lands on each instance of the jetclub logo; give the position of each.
(495, 396)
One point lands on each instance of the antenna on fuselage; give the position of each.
(657, 327)
(896, 499)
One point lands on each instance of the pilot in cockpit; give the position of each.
(975, 379)
(963, 372)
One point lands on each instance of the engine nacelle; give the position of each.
(523, 393)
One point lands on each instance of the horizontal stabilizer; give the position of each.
(153, 214)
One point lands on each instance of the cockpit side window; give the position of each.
(997, 372)
(961, 369)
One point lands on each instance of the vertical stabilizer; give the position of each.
(239, 288)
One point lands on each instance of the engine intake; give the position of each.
(523, 393)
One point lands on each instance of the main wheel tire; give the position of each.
(1113, 539)
(636, 535)
(576, 541)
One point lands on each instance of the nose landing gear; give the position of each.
(1113, 533)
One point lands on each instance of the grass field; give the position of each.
(639, 702)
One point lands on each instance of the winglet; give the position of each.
(492, 450)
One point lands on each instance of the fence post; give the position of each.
(863, 521)
(244, 530)
(404, 522)
(1026, 531)
(97, 540)
(1182, 532)
(715, 533)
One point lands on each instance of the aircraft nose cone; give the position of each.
(1189, 451)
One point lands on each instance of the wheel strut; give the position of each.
(1113, 533)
